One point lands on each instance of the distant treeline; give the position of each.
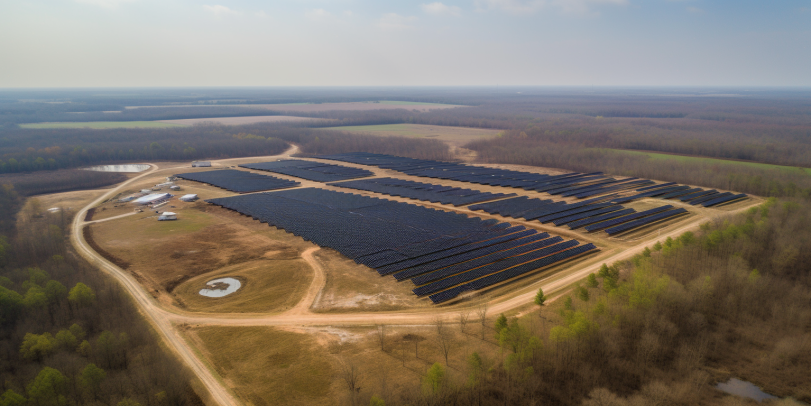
(747, 179)
(35, 150)
(36, 113)
(68, 334)
(63, 180)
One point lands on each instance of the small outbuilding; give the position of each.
(153, 198)
(175, 187)
(189, 198)
(167, 215)
(200, 164)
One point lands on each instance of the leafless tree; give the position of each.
(481, 311)
(381, 336)
(352, 376)
(464, 316)
(444, 338)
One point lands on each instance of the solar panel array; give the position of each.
(407, 240)
(422, 191)
(317, 171)
(238, 181)
(578, 185)
(671, 190)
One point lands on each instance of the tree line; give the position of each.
(733, 299)
(69, 335)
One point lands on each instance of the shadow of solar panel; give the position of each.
(709, 197)
(238, 181)
(494, 267)
(441, 271)
(696, 195)
(597, 219)
(724, 199)
(511, 273)
(623, 219)
(574, 217)
(644, 221)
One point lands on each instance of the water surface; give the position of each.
(735, 386)
(119, 168)
(220, 287)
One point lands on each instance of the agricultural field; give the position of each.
(730, 163)
(455, 136)
(318, 107)
(240, 120)
(98, 125)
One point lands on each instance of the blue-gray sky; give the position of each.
(55, 43)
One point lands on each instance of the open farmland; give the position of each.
(318, 107)
(455, 136)
(103, 124)
(240, 120)
(725, 162)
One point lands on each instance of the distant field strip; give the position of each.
(314, 107)
(240, 120)
(103, 124)
(452, 135)
(697, 159)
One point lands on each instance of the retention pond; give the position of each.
(119, 168)
(220, 287)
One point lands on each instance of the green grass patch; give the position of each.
(696, 159)
(96, 125)
(412, 103)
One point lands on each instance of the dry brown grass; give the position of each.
(267, 366)
(267, 286)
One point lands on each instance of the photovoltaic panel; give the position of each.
(238, 181)
(644, 221)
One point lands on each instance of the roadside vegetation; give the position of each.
(731, 300)
(69, 336)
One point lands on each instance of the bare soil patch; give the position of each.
(353, 287)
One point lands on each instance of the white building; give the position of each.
(149, 199)
(188, 198)
(200, 164)
(167, 215)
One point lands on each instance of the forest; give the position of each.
(733, 299)
(70, 335)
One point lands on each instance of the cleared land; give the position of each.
(240, 120)
(96, 125)
(267, 366)
(698, 159)
(454, 136)
(316, 107)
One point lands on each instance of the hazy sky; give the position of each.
(46, 43)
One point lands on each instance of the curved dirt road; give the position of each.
(300, 315)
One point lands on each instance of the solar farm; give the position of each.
(445, 239)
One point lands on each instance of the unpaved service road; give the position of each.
(165, 320)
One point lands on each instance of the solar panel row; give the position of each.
(393, 236)
(317, 171)
(511, 273)
(623, 219)
(422, 191)
(644, 221)
(238, 181)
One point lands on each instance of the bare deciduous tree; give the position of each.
(381, 336)
(464, 316)
(444, 338)
(351, 375)
(481, 311)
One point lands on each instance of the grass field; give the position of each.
(267, 366)
(683, 158)
(97, 125)
(267, 286)
(452, 135)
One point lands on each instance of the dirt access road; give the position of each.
(165, 320)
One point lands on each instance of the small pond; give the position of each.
(735, 386)
(119, 168)
(220, 287)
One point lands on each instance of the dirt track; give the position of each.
(165, 320)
